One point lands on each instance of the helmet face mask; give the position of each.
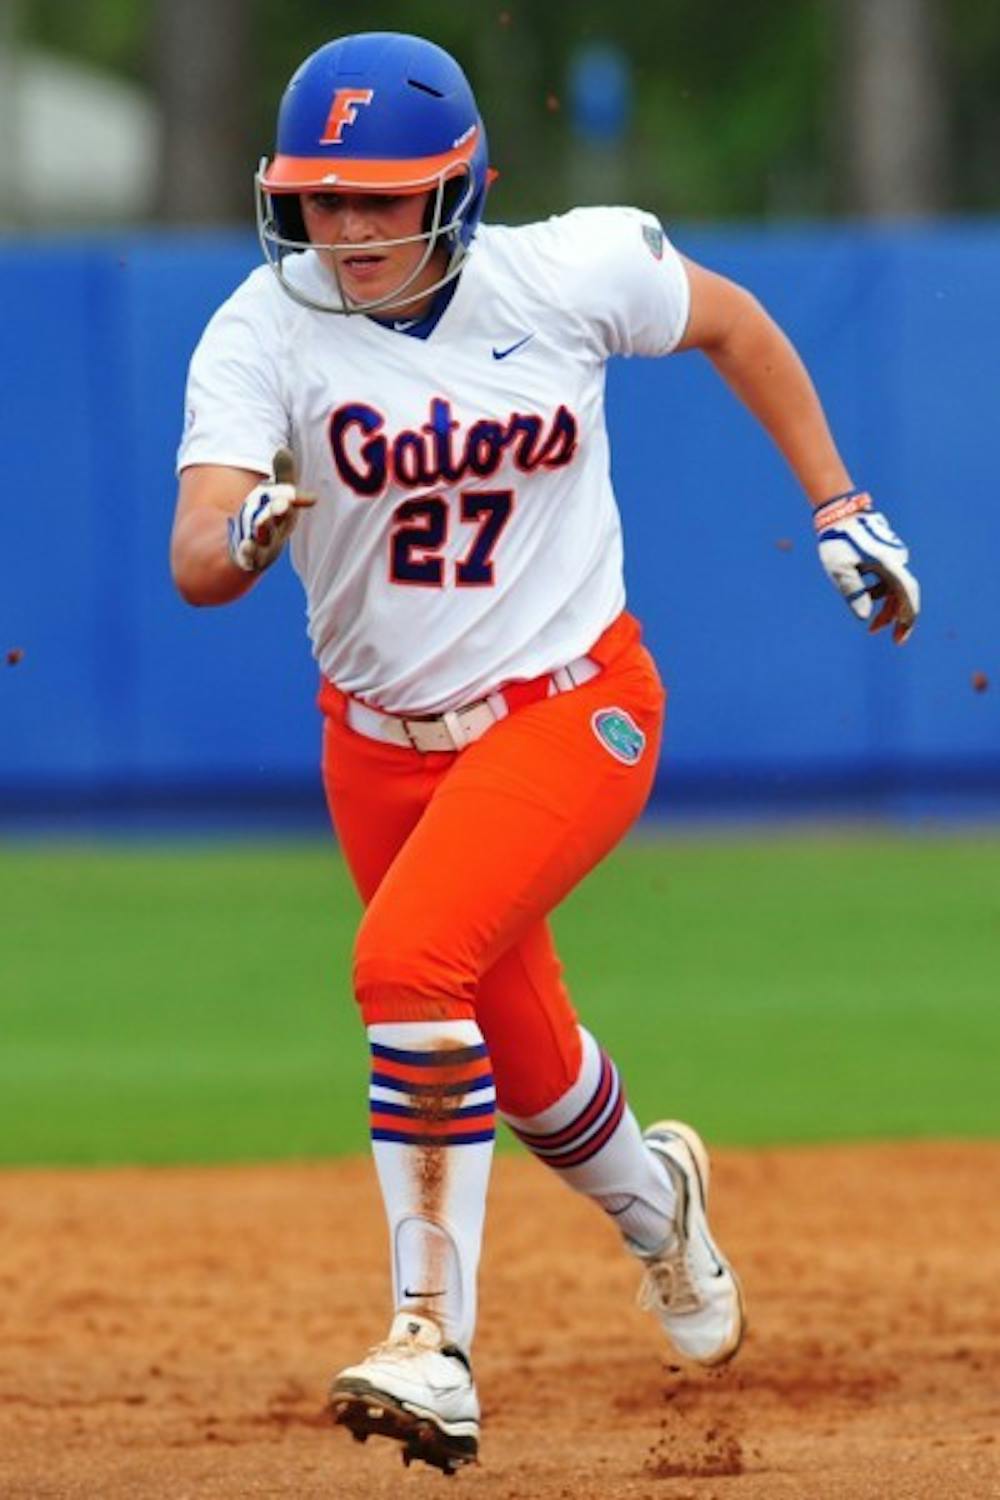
(282, 233)
(378, 113)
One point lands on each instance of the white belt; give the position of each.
(460, 727)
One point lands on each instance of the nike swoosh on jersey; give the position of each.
(503, 353)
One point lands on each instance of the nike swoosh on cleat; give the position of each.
(408, 1293)
(720, 1269)
(503, 353)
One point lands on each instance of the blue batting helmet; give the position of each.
(380, 112)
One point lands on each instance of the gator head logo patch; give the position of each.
(619, 734)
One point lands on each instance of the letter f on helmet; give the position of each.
(343, 111)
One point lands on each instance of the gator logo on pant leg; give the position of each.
(619, 734)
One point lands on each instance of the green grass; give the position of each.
(192, 1003)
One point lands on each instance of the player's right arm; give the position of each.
(209, 496)
(257, 523)
(233, 518)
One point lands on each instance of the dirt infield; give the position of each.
(170, 1333)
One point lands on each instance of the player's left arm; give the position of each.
(861, 554)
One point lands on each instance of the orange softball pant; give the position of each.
(459, 857)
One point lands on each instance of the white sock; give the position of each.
(433, 1119)
(592, 1139)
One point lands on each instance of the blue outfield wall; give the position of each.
(126, 698)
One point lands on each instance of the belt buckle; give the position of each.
(454, 722)
(404, 724)
(451, 723)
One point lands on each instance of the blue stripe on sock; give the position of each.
(568, 1137)
(408, 1112)
(467, 1138)
(437, 1059)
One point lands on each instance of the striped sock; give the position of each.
(433, 1119)
(591, 1138)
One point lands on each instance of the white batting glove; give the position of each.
(267, 517)
(866, 562)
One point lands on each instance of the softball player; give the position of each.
(491, 719)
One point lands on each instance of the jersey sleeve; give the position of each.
(235, 414)
(619, 273)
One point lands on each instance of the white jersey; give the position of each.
(465, 533)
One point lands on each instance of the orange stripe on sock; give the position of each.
(425, 1125)
(469, 1072)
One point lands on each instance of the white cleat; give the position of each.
(689, 1284)
(415, 1388)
